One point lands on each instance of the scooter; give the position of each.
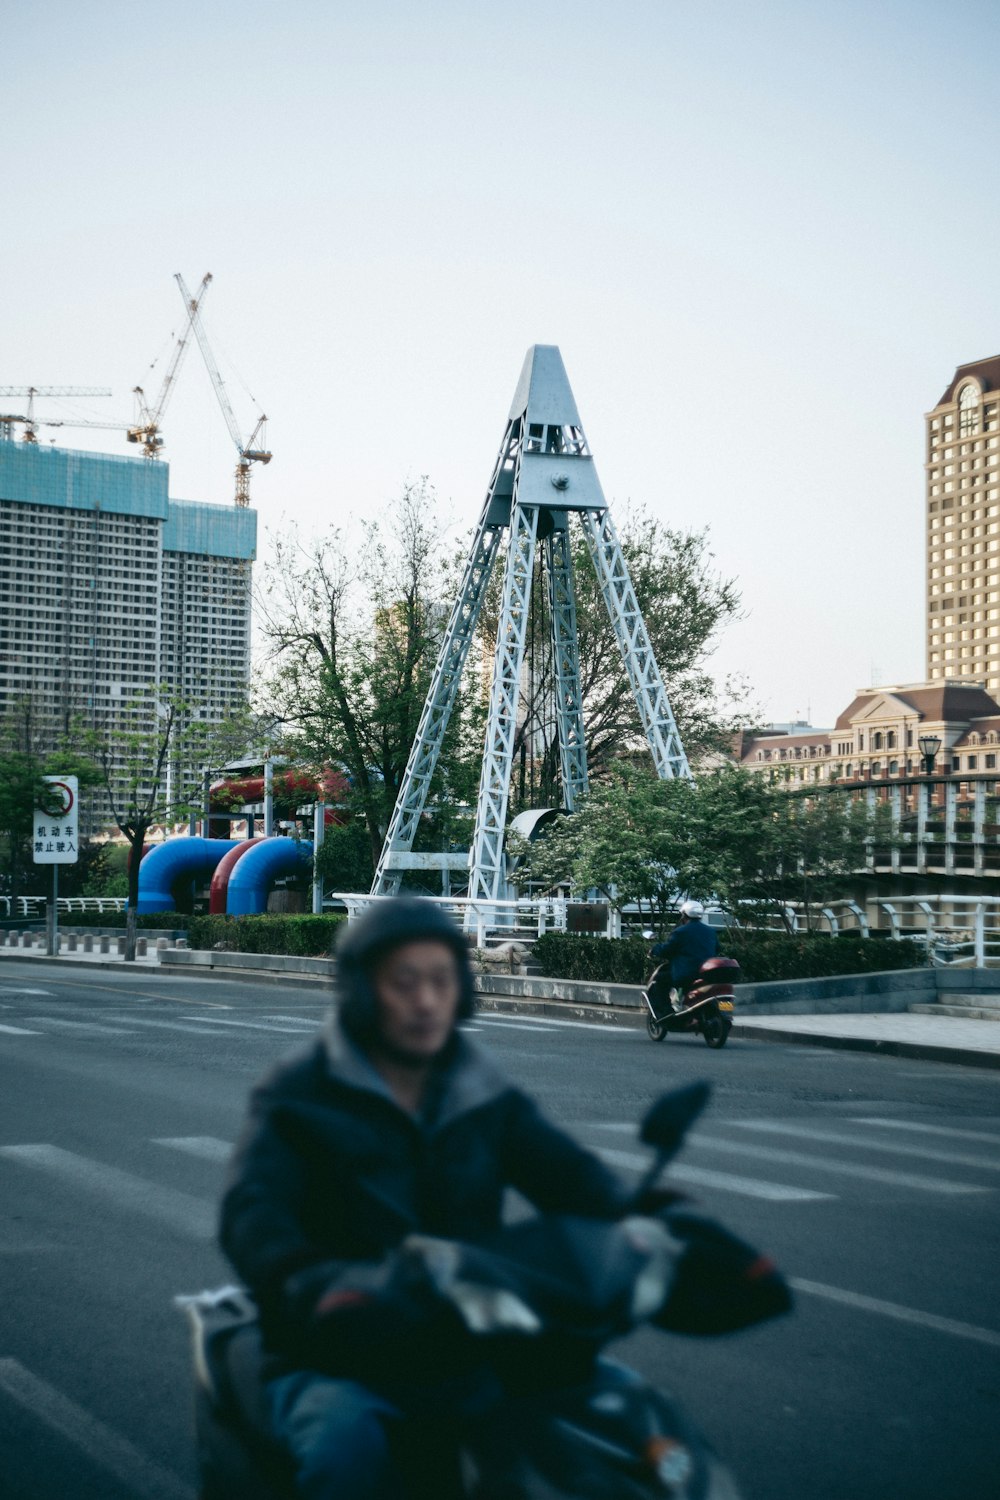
(534, 1308)
(706, 1006)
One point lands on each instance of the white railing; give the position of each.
(498, 921)
(962, 930)
(33, 907)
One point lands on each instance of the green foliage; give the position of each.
(26, 757)
(731, 836)
(303, 937)
(763, 956)
(344, 859)
(168, 921)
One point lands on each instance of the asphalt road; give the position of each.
(874, 1182)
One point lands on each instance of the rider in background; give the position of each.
(688, 946)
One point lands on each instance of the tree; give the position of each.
(133, 750)
(26, 757)
(730, 836)
(353, 635)
(685, 604)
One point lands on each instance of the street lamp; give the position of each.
(929, 745)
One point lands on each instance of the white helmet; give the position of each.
(692, 909)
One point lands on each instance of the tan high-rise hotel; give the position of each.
(963, 528)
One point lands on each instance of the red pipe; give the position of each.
(220, 880)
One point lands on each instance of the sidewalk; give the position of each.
(901, 1034)
(95, 960)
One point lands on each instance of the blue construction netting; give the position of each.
(65, 477)
(213, 530)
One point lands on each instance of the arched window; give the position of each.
(894, 768)
(890, 740)
(968, 410)
(877, 740)
(847, 769)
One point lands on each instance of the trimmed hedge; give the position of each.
(298, 936)
(175, 921)
(762, 956)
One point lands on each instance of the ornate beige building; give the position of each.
(963, 528)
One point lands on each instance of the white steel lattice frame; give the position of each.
(634, 644)
(487, 875)
(566, 659)
(443, 689)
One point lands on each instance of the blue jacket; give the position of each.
(687, 948)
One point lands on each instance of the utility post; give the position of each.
(319, 830)
(928, 745)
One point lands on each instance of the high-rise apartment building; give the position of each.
(109, 587)
(963, 528)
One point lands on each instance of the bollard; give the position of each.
(162, 944)
(182, 942)
(120, 946)
(71, 942)
(3, 938)
(105, 943)
(88, 942)
(28, 940)
(140, 947)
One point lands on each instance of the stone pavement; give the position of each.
(902, 1034)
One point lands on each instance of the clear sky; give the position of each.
(763, 236)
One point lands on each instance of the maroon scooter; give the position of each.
(706, 1006)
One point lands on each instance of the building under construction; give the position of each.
(108, 586)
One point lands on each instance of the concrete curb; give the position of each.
(926, 1051)
(64, 960)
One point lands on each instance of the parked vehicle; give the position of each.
(531, 1310)
(706, 1006)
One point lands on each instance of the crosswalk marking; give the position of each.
(250, 1025)
(747, 1187)
(19, 1031)
(207, 1147)
(182, 1212)
(944, 1130)
(96, 1028)
(101, 1444)
(826, 1164)
(841, 1138)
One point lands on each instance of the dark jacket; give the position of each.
(330, 1172)
(687, 948)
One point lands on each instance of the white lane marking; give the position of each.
(19, 1031)
(312, 1021)
(894, 1310)
(94, 1027)
(863, 1143)
(747, 1187)
(544, 1021)
(181, 1212)
(943, 1130)
(102, 1445)
(517, 1025)
(173, 1026)
(250, 1025)
(207, 1147)
(826, 1164)
(9, 989)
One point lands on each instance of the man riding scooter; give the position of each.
(688, 946)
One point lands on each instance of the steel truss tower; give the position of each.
(543, 473)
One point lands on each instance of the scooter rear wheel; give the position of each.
(715, 1030)
(656, 1030)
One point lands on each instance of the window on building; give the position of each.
(968, 410)
(970, 762)
(990, 762)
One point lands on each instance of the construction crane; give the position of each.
(146, 429)
(7, 419)
(247, 453)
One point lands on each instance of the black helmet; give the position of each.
(384, 926)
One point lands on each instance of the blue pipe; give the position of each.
(166, 864)
(251, 881)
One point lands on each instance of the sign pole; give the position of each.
(52, 920)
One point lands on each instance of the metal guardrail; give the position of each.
(34, 906)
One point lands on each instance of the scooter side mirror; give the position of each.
(672, 1114)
